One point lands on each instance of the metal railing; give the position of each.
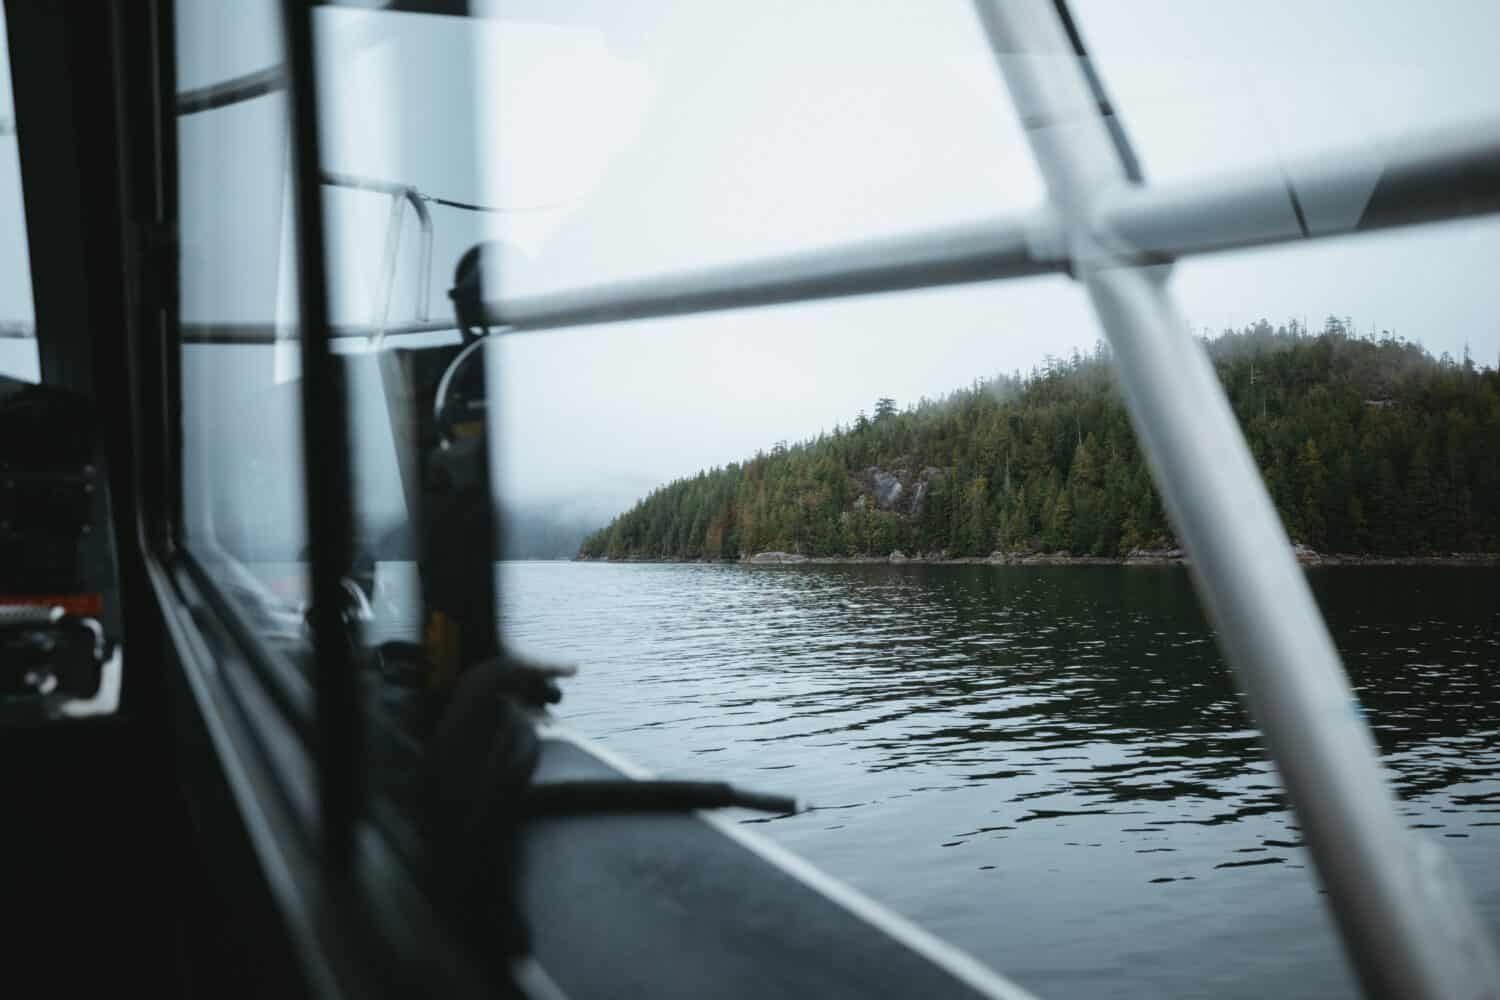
(1445, 175)
(1449, 174)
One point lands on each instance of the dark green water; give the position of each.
(1048, 766)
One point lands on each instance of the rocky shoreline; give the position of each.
(1139, 557)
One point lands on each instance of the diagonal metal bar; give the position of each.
(1406, 921)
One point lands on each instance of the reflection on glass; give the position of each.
(441, 134)
(992, 670)
(398, 145)
(18, 353)
(243, 507)
(623, 143)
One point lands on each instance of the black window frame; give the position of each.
(277, 762)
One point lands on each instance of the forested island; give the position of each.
(1370, 446)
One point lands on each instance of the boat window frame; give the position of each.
(355, 918)
(276, 698)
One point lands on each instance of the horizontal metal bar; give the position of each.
(232, 91)
(1428, 177)
(271, 333)
(1423, 178)
(975, 252)
(448, 8)
(370, 184)
(419, 197)
(1447, 175)
(949, 256)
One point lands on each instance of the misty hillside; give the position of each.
(543, 531)
(1368, 446)
(536, 530)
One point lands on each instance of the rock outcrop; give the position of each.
(897, 489)
(777, 557)
(1154, 555)
(887, 487)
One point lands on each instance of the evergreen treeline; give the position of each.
(1367, 446)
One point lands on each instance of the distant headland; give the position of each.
(1371, 448)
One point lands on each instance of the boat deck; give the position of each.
(677, 905)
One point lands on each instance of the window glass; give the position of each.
(596, 145)
(1209, 88)
(1429, 284)
(1363, 368)
(18, 353)
(243, 504)
(621, 144)
(1067, 729)
(398, 142)
(1059, 722)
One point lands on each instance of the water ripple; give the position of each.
(1072, 730)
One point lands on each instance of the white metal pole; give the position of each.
(1407, 923)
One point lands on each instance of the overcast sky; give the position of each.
(710, 137)
(640, 138)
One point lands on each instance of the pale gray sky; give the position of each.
(641, 138)
(789, 125)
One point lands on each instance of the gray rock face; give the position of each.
(897, 556)
(897, 489)
(777, 557)
(888, 489)
(1147, 554)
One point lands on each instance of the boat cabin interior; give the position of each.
(225, 773)
(259, 733)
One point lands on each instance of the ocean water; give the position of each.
(1048, 766)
